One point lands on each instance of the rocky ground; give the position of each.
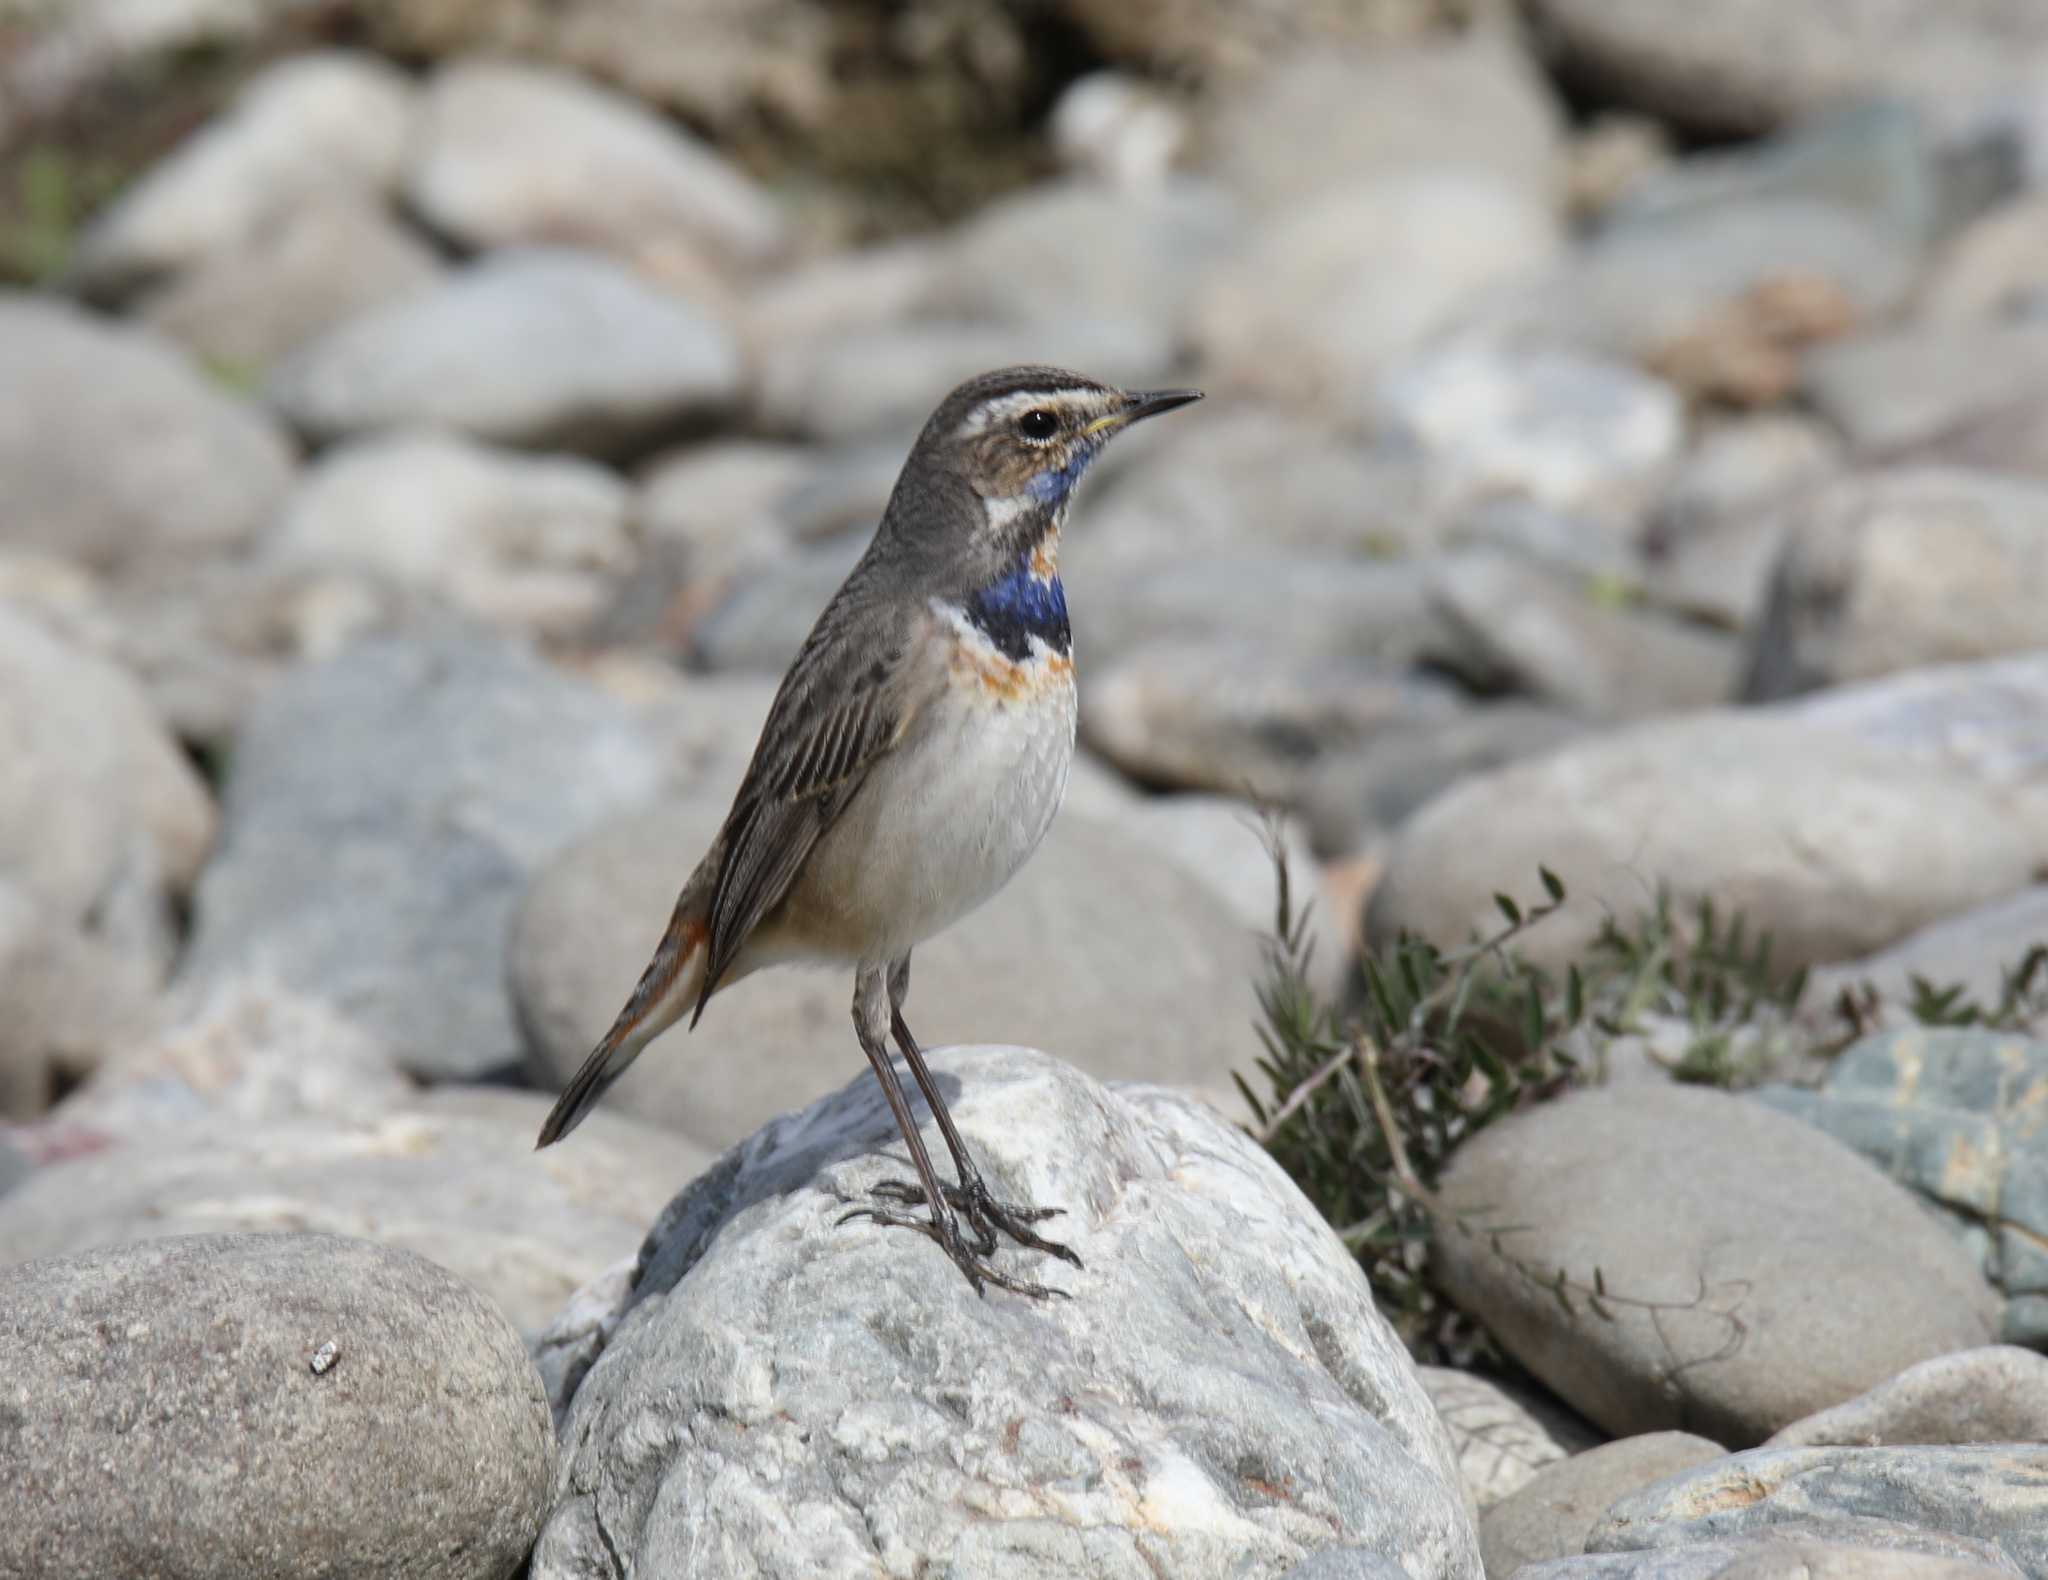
(1627, 454)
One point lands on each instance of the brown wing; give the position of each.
(846, 703)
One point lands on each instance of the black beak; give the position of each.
(1150, 403)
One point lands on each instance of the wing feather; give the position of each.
(841, 710)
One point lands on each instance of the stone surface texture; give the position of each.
(798, 1396)
(1784, 1275)
(167, 1414)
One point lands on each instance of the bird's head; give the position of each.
(1021, 438)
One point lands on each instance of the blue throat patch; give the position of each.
(1019, 606)
(1052, 487)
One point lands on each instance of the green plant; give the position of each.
(1364, 1106)
(1364, 1103)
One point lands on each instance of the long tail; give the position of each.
(666, 990)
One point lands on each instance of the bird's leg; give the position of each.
(869, 1022)
(975, 1202)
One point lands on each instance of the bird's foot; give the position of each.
(945, 1230)
(986, 1215)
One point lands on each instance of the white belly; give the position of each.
(947, 819)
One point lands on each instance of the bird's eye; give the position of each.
(1038, 423)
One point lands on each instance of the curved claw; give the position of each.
(946, 1233)
(986, 1215)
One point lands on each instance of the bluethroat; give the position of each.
(912, 760)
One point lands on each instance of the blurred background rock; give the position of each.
(427, 427)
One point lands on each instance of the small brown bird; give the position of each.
(911, 762)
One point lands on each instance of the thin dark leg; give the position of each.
(942, 1227)
(973, 1198)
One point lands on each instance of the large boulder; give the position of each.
(264, 1407)
(1837, 823)
(805, 1397)
(1772, 1274)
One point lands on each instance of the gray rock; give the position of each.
(1713, 537)
(1998, 1394)
(1556, 427)
(315, 125)
(101, 815)
(527, 543)
(68, 48)
(1993, 268)
(1901, 569)
(1306, 606)
(1345, 1563)
(735, 61)
(544, 346)
(383, 812)
(722, 504)
(1719, 301)
(249, 1052)
(1311, 120)
(299, 274)
(1975, 950)
(1900, 387)
(838, 293)
(1329, 294)
(1069, 249)
(1977, 1502)
(1787, 1276)
(1558, 1507)
(1516, 627)
(452, 1177)
(1752, 65)
(885, 380)
(1767, 1558)
(386, 1420)
(510, 153)
(1500, 1444)
(1955, 1114)
(1216, 42)
(68, 1002)
(1218, 1397)
(208, 638)
(771, 606)
(1154, 978)
(1944, 769)
(1873, 158)
(1355, 797)
(116, 449)
(1225, 716)
(1256, 479)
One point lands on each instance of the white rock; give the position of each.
(300, 273)
(311, 126)
(513, 153)
(1218, 1397)
(1336, 287)
(1571, 432)
(1118, 130)
(531, 543)
(546, 347)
